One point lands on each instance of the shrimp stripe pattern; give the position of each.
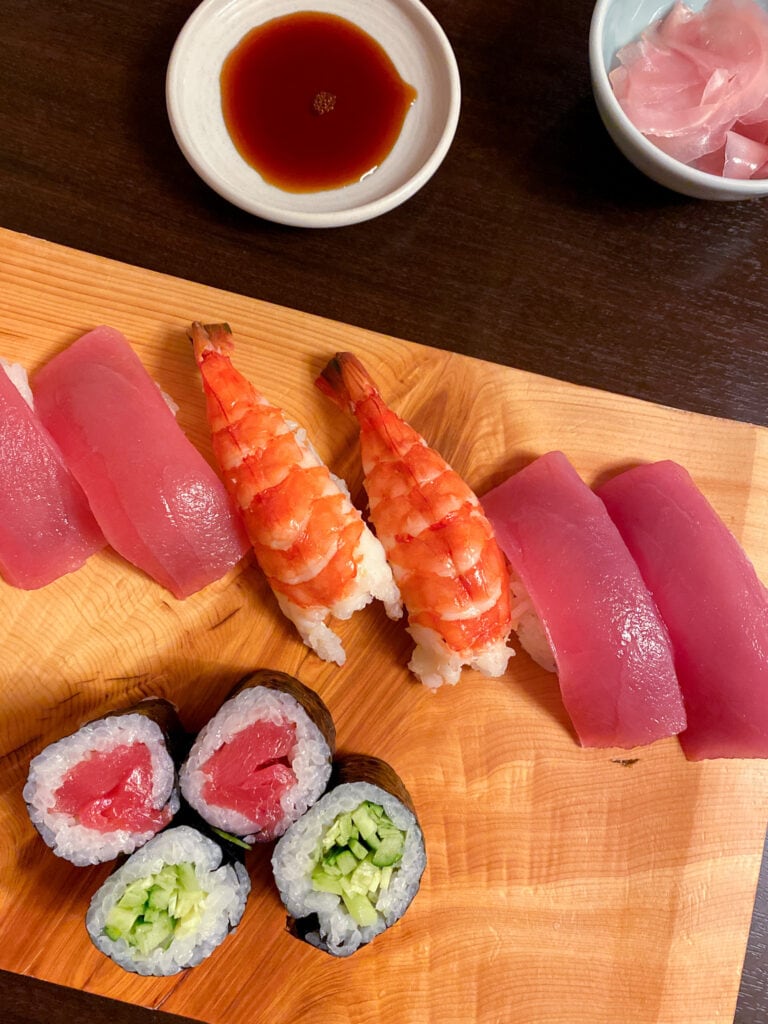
(451, 573)
(318, 555)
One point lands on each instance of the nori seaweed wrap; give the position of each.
(110, 786)
(350, 867)
(263, 759)
(170, 904)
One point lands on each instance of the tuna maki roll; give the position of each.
(169, 905)
(350, 867)
(263, 759)
(109, 787)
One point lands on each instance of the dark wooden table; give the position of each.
(535, 245)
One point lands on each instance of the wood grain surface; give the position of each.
(562, 884)
(536, 244)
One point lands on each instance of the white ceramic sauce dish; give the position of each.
(413, 40)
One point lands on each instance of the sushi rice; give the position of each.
(435, 664)
(528, 626)
(226, 887)
(67, 837)
(19, 378)
(310, 758)
(294, 859)
(373, 580)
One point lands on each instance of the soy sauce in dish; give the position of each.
(312, 102)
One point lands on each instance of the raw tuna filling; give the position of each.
(251, 773)
(111, 789)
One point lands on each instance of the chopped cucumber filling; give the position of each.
(356, 858)
(154, 910)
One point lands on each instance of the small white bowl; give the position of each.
(614, 24)
(415, 43)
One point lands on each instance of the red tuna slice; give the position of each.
(46, 527)
(715, 607)
(612, 651)
(251, 772)
(156, 499)
(111, 790)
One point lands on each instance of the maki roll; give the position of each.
(109, 787)
(169, 905)
(263, 759)
(350, 867)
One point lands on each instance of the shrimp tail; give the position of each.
(210, 338)
(346, 381)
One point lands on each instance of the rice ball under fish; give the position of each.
(318, 555)
(444, 557)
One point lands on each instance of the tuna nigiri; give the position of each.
(46, 526)
(582, 609)
(319, 557)
(156, 499)
(715, 607)
(441, 547)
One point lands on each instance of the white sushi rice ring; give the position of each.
(294, 858)
(227, 887)
(310, 758)
(62, 832)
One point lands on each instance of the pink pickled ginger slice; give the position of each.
(715, 607)
(157, 500)
(694, 76)
(614, 661)
(46, 526)
(743, 157)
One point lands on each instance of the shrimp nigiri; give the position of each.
(452, 575)
(319, 557)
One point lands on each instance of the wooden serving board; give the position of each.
(563, 885)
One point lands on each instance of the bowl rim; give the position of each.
(285, 214)
(673, 167)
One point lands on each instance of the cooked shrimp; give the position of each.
(452, 575)
(319, 557)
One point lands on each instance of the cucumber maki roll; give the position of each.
(169, 905)
(350, 867)
(109, 787)
(263, 759)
